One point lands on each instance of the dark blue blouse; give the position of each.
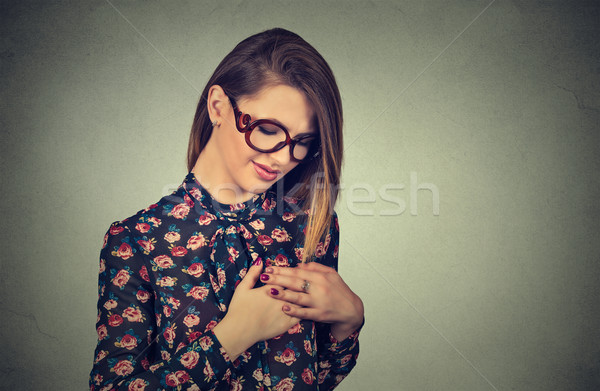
(167, 275)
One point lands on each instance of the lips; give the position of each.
(265, 172)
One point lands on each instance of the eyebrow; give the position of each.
(316, 133)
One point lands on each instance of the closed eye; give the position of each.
(305, 140)
(265, 131)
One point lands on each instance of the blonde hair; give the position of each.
(278, 56)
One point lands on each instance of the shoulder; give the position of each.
(150, 217)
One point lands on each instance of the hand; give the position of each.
(253, 315)
(327, 299)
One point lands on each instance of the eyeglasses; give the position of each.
(264, 135)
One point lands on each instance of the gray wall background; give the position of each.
(496, 105)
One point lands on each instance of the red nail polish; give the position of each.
(264, 277)
(269, 270)
(257, 262)
(274, 291)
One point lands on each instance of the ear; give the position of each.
(218, 105)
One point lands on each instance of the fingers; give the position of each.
(302, 270)
(289, 272)
(251, 277)
(293, 319)
(302, 312)
(294, 278)
(288, 282)
(298, 299)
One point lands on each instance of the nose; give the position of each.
(283, 156)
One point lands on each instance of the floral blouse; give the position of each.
(167, 275)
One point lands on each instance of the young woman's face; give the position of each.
(242, 171)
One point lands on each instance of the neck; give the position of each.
(211, 174)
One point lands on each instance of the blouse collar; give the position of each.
(241, 211)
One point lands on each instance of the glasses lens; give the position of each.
(302, 147)
(267, 136)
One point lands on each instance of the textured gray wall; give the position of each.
(495, 109)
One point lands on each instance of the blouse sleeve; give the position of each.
(125, 356)
(335, 358)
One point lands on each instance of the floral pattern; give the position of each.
(167, 275)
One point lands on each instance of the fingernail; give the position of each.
(269, 270)
(257, 262)
(286, 308)
(274, 291)
(265, 277)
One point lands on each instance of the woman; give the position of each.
(231, 282)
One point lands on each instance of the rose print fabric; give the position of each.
(167, 275)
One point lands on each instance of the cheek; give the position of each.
(235, 149)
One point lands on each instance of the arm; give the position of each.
(337, 343)
(338, 312)
(336, 358)
(126, 356)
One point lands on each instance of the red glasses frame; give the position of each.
(245, 125)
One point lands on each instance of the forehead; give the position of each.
(281, 103)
